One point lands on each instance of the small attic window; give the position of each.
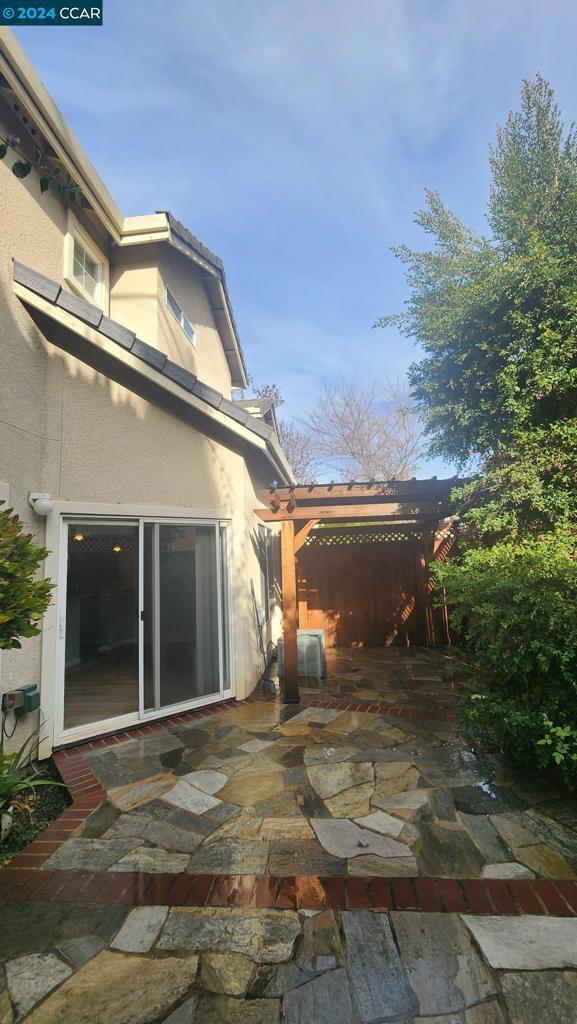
(85, 268)
(87, 271)
(180, 316)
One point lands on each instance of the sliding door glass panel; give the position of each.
(101, 659)
(181, 614)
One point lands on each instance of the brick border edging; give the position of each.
(540, 897)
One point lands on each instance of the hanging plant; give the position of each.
(22, 167)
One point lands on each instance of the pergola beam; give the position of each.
(401, 489)
(303, 533)
(383, 510)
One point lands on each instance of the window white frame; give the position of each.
(174, 307)
(54, 627)
(76, 232)
(267, 539)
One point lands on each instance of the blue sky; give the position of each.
(296, 138)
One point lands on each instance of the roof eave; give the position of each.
(36, 100)
(266, 445)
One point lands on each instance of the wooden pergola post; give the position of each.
(403, 504)
(289, 612)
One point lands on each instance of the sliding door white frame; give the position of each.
(55, 626)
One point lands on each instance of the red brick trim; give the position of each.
(447, 895)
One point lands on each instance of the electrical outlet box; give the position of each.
(30, 701)
(11, 700)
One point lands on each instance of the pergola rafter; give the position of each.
(301, 508)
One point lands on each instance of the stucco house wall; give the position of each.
(72, 432)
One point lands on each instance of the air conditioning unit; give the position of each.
(311, 656)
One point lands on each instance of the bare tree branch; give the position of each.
(298, 447)
(369, 432)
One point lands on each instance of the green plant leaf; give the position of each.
(3, 150)
(21, 168)
(45, 183)
(36, 154)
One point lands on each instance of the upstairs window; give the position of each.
(180, 316)
(85, 265)
(87, 272)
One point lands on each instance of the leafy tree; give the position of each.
(496, 316)
(23, 599)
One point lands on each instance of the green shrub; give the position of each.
(23, 598)
(515, 605)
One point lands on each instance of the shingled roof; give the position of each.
(84, 311)
(189, 245)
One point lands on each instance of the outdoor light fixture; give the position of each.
(41, 503)
(117, 548)
(78, 536)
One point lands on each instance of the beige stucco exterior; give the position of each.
(138, 281)
(94, 444)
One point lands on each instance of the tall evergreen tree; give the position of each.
(496, 316)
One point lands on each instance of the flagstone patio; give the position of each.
(265, 863)
(267, 788)
(174, 965)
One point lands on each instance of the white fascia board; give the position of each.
(38, 103)
(148, 228)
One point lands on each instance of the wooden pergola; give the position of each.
(300, 509)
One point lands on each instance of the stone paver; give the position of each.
(91, 853)
(444, 970)
(226, 1010)
(344, 838)
(207, 781)
(32, 977)
(140, 930)
(324, 1000)
(189, 798)
(265, 936)
(378, 979)
(119, 988)
(383, 823)
(328, 780)
(80, 950)
(536, 997)
(226, 973)
(223, 965)
(526, 943)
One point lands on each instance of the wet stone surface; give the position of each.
(157, 965)
(162, 965)
(268, 788)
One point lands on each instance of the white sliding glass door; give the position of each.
(101, 648)
(182, 627)
(145, 621)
